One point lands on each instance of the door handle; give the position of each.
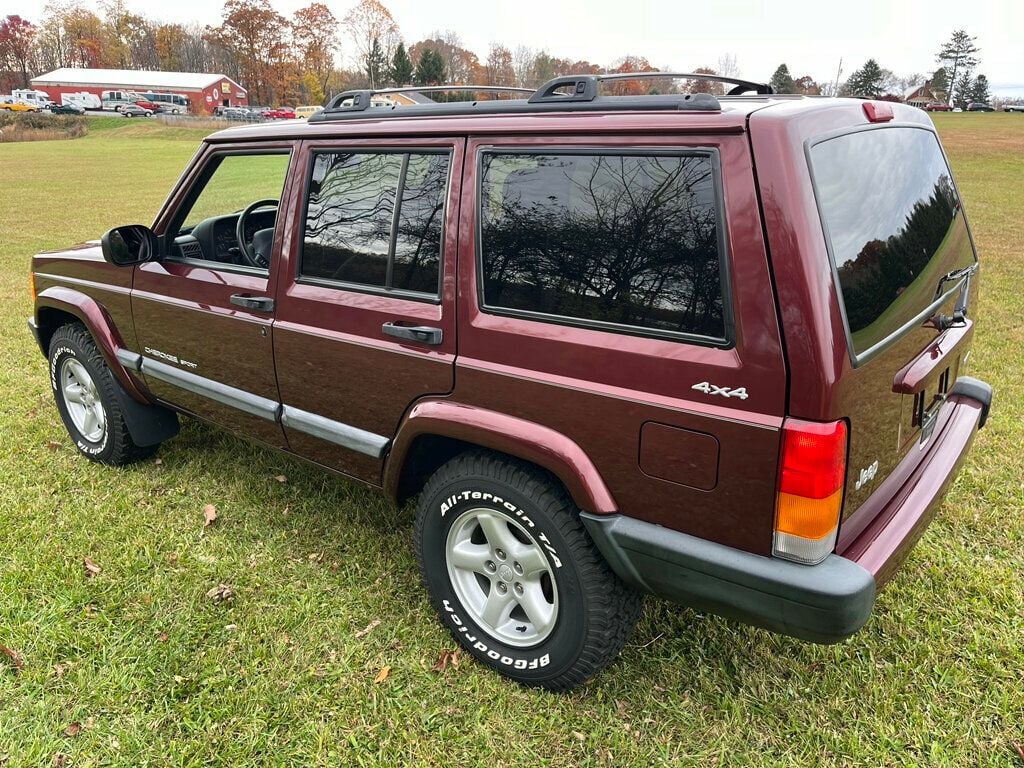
(255, 303)
(421, 333)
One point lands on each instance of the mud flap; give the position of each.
(147, 424)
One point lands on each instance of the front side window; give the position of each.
(627, 241)
(233, 187)
(375, 220)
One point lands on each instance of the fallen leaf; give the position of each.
(209, 515)
(60, 760)
(231, 627)
(368, 629)
(579, 735)
(60, 669)
(91, 569)
(163, 637)
(91, 610)
(158, 462)
(316, 557)
(385, 671)
(14, 656)
(53, 445)
(281, 479)
(73, 730)
(1020, 749)
(447, 658)
(221, 593)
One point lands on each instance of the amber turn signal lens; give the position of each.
(32, 285)
(808, 518)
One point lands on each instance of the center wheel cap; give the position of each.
(506, 573)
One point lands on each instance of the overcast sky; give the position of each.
(810, 36)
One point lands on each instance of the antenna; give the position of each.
(838, 73)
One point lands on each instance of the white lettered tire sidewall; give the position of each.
(61, 350)
(562, 647)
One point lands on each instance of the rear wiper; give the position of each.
(959, 316)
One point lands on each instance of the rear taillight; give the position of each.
(811, 478)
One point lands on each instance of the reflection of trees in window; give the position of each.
(352, 233)
(883, 269)
(620, 239)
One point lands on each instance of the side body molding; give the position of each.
(500, 432)
(100, 325)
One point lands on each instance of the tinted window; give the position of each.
(353, 232)
(894, 223)
(623, 239)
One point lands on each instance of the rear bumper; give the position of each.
(823, 603)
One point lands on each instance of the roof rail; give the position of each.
(361, 99)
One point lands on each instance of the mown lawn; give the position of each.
(136, 666)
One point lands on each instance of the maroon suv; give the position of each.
(708, 348)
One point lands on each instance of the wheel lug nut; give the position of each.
(490, 566)
(519, 589)
(518, 568)
(502, 588)
(500, 554)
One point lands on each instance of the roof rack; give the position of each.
(573, 92)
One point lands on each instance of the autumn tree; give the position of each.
(17, 45)
(367, 22)
(807, 86)
(401, 66)
(315, 38)
(699, 85)
(956, 55)
(460, 64)
(782, 81)
(254, 33)
(631, 87)
(499, 70)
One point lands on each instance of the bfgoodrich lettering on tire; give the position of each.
(83, 387)
(514, 575)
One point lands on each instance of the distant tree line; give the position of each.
(296, 59)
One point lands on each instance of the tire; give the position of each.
(76, 366)
(477, 517)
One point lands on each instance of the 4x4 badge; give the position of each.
(714, 389)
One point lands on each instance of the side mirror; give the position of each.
(131, 244)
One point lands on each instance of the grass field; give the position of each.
(137, 667)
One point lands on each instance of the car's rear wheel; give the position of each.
(514, 575)
(84, 389)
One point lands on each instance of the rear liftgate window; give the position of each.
(894, 226)
(624, 242)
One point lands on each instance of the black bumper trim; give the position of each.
(822, 603)
(975, 389)
(32, 326)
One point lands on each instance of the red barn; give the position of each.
(202, 91)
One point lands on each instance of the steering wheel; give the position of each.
(252, 258)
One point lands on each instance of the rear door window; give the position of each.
(894, 226)
(625, 242)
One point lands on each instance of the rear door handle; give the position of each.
(421, 333)
(255, 303)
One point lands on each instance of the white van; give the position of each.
(83, 99)
(37, 99)
(115, 99)
(309, 111)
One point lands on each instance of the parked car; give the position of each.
(12, 105)
(977, 106)
(1013, 108)
(134, 110)
(307, 111)
(603, 355)
(236, 113)
(146, 104)
(937, 106)
(280, 113)
(66, 109)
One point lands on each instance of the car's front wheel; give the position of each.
(84, 389)
(514, 575)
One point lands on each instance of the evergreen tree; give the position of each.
(957, 54)
(939, 84)
(979, 90)
(868, 82)
(376, 65)
(430, 68)
(782, 81)
(401, 66)
(962, 89)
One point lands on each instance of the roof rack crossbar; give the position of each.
(360, 100)
(742, 86)
(585, 87)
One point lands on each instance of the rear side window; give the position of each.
(626, 242)
(894, 225)
(375, 220)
